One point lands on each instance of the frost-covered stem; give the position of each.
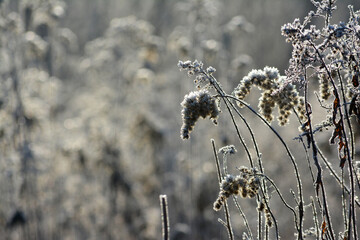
(315, 219)
(214, 83)
(223, 95)
(351, 132)
(352, 188)
(263, 186)
(279, 193)
(266, 232)
(226, 209)
(327, 18)
(288, 152)
(347, 115)
(217, 162)
(343, 202)
(243, 216)
(333, 173)
(292, 160)
(271, 213)
(319, 183)
(351, 168)
(165, 217)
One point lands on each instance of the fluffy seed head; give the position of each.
(195, 105)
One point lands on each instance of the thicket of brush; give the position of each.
(89, 119)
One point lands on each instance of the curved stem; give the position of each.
(333, 173)
(243, 216)
(272, 216)
(288, 152)
(226, 209)
(349, 158)
(215, 84)
(279, 193)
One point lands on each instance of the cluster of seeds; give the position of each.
(193, 68)
(262, 208)
(195, 105)
(270, 81)
(196, 68)
(246, 184)
(324, 86)
(300, 108)
(229, 149)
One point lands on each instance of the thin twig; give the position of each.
(333, 173)
(272, 216)
(263, 186)
(279, 193)
(343, 200)
(164, 217)
(297, 174)
(226, 210)
(222, 94)
(217, 162)
(244, 217)
(215, 84)
(319, 182)
(315, 219)
(352, 188)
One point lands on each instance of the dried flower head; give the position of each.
(195, 105)
(229, 149)
(261, 206)
(246, 184)
(274, 93)
(325, 89)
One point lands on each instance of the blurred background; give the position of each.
(90, 115)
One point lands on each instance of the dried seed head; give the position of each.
(251, 194)
(217, 204)
(254, 184)
(229, 149)
(275, 92)
(261, 206)
(246, 184)
(269, 222)
(244, 192)
(195, 105)
(325, 90)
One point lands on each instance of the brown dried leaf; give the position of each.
(323, 228)
(341, 144)
(355, 80)
(337, 132)
(335, 108)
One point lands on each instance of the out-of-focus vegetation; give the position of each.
(90, 114)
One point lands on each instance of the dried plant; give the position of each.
(329, 54)
(89, 135)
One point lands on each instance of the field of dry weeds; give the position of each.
(90, 119)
